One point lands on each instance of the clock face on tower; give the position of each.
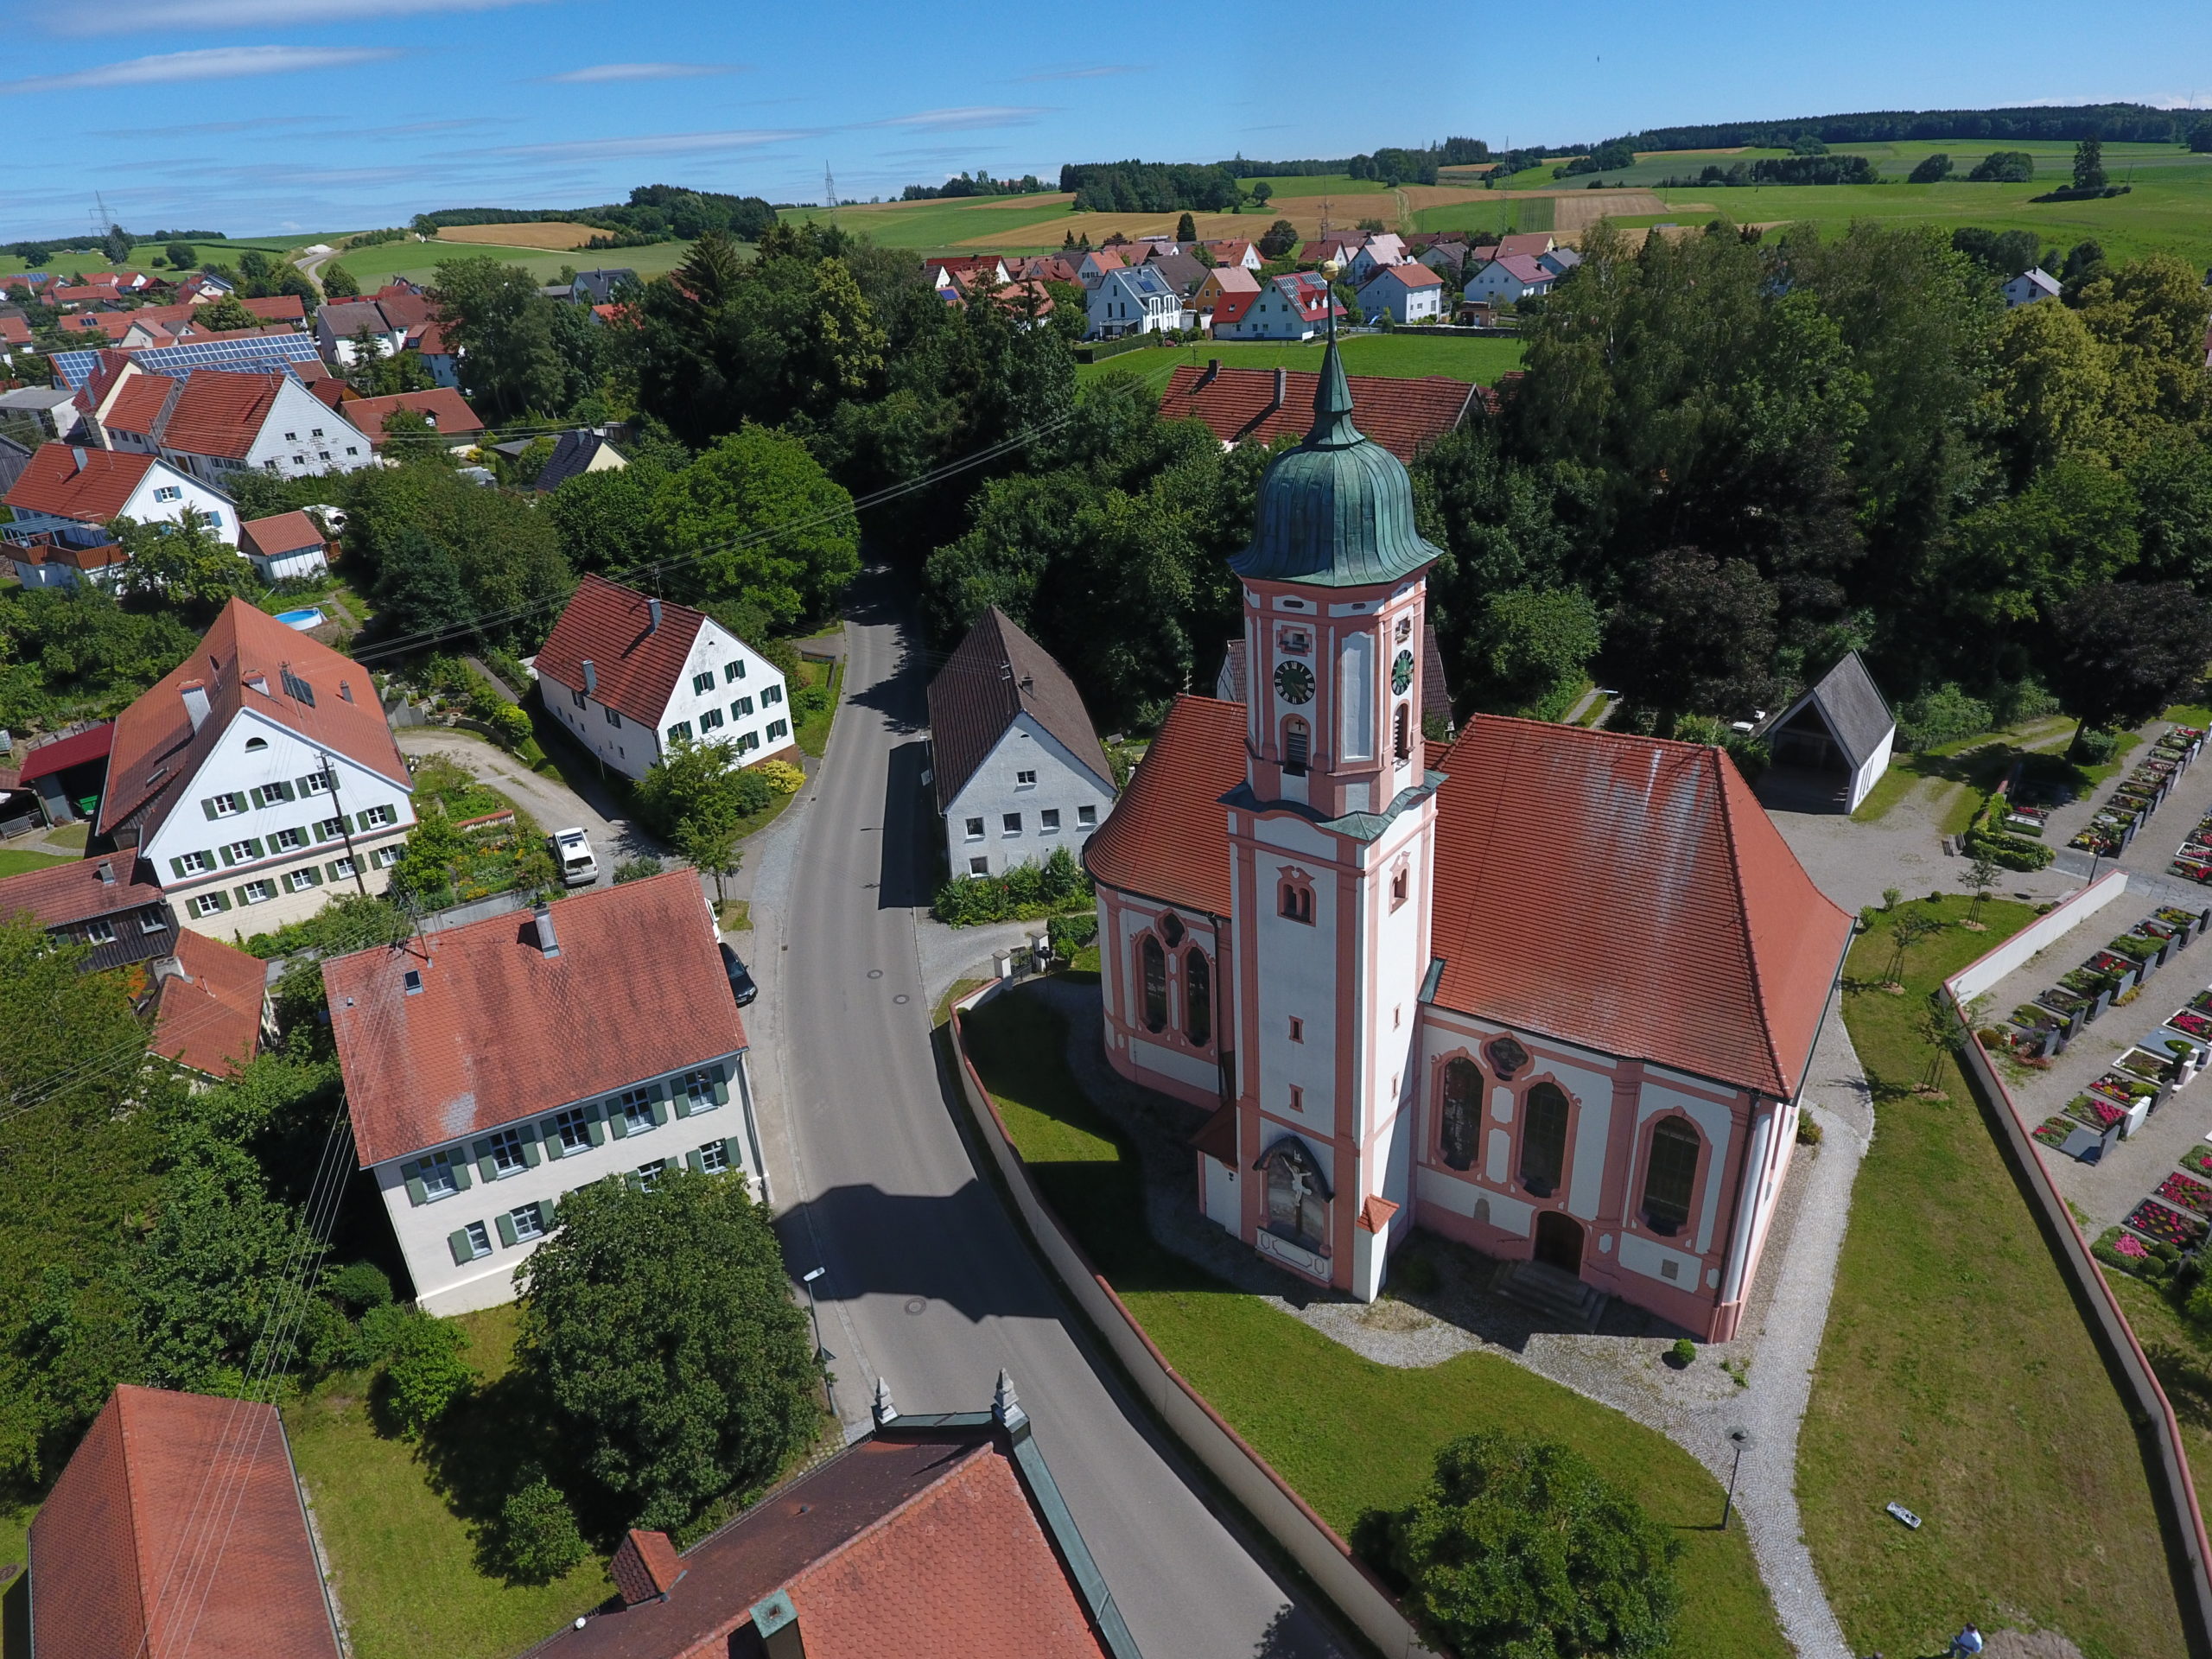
(1401, 672)
(1295, 681)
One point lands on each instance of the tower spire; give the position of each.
(1333, 424)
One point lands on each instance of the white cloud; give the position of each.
(605, 72)
(137, 16)
(666, 143)
(210, 63)
(1083, 72)
(967, 118)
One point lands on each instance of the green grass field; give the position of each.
(1349, 1435)
(418, 261)
(1956, 1376)
(1027, 223)
(152, 256)
(15, 863)
(1409, 353)
(1318, 184)
(401, 1562)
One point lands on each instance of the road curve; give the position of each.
(927, 1280)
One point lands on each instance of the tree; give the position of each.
(2003, 167)
(423, 873)
(1187, 229)
(1531, 641)
(757, 518)
(605, 520)
(1932, 169)
(659, 1325)
(2089, 164)
(1519, 1549)
(117, 245)
(1262, 192)
(1697, 635)
(338, 282)
(424, 1372)
(2200, 137)
(184, 563)
(503, 329)
(536, 1540)
(2051, 379)
(182, 255)
(418, 587)
(695, 783)
(1982, 875)
(2123, 651)
(1278, 239)
(219, 316)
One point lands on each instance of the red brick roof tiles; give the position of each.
(637, 664)
(447, 409)
(285, 532)
(637, 991)
(154, 735)
(74, 750)
(62, 893)
(208, 1016)
(175, 1530)
(138, 405)
(644, 1566)
(1400, 413)
(1630, 894)
(89, 486)
(1167, 837)
(221, 412)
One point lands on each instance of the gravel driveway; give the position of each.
(549, 800)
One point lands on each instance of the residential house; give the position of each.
(1405, 293)
(126, 1554)
(1332, 252)
(597, 286)
(1447, 257)
(50, 412)
(1293, 307)
(574, 455)
(1135, 300)
(629, 676)
(1380, 250)
(71, 494)
(1830, 746)
(211, 1009)
(2030, 286)
(1187, 276)
(42, 560)
(1027, 303)
(110, 903)
(69, 774)
(440, 356)
(289, 546)
(493, 1067)
(1017, 767)
(15, 336)
(256, 773)
(1531, 244)
(161, 324)
(1424, 1030)
(443, 409)
(1235, 250)
(964, 275)
(1560, 261)
(217, 424)
(1045, 268)
(286, 352)
(1259, 405)
(937, 1533)
(1092, 268)
(1508, 280)
(1220, 281)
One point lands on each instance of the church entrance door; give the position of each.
(1559, 1241)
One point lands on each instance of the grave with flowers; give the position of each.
(2164, 1224)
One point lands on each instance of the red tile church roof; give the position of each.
(1241, 405)
(1167, 837)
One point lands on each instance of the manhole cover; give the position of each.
(901, 997)
(875, 973)
(915, 1304)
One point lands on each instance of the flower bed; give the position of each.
(2124, 1088)
(2123, 1250)
(2185, 1192)
(2191, 1024)
(2155, 1221)
(2173, 918)
(2200, 1161)
(2099, 1115)
(2147, 1066)
(2202, 1002)
(2053, 1131)
(2106, 963)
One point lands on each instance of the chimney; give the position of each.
(547, 941)
(1007, 1410)
(652, 612)
(591, 678)
(107, 874)
(1282, 386)
(1213, 368)
(775, 1621)
(195, 693)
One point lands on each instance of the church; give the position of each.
(1548, 991)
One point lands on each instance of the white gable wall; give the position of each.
(1063, 784)
(631, 748)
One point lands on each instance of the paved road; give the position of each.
(928, 1281)
(549, 800)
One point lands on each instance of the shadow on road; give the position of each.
(878, 597)
(911, 1245)
(909, 869)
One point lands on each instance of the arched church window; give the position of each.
(1154, 961)
(1670, 1176)
(1197, 997)
(1402, 741)
(1543, 1139)
(1297, 744)
(1463, 1097)
(1297, 899)
(1298, 1198)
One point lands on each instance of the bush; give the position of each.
(1684, 1354)
(424, 1372)
(636, 869)
(779, 775)
(1069, 934)
(511, 727)
(358, 1286)
(535, 1540)
(1808, 1131)
(1943, 715)
(1024, 892)
(2095, 746)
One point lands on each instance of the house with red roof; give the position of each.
(1407, 292)
(285, 546)
(631, 676)
(111, 905)
(1508, 279)
(492, 1067)
(1259, 405)
(211, 1007)
(966, 275)
(443, 409)
(1235, 250)
(216, 423)
(257, 778)
(177, 1528)
(1297, 305)
(937, 1533)
(68, 495)
(1549, 991)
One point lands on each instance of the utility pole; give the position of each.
(344, 829)
(829, 191)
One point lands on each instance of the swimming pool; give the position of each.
(302, 619)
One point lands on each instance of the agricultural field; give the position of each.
(1407, 353)
(560, 234)
(418, 261)
(151, 256)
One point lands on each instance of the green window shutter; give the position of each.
(550, 1131)
(463, 1251)
(225, 851)
(461, 1176)
(416, 1192)
(222, 899)
(254, 842)
(722, 1092)
(683, 1103)
(506, 1225)
(617, 1120)
(634, 1181)
(660, 1107)
(529, 1152)
(695, 1163)
(239, 893)
(313, 875)
(176, 866)
(331, 869)
(596, 1127)
(255, 796)
(208, 807)
(733, 1153)
(485, 1166)
(283, 790)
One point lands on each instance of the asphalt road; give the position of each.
(928, 1281)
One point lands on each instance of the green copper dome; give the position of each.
(1337, 512)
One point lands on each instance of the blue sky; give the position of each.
(257, 116)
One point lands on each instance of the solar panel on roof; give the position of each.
(263, 353)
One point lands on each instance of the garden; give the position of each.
(1026, 892)
(468, 841)
(1957, 1375)
(2132, 802)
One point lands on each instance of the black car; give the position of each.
(741, 978)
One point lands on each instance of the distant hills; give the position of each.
(2138, 124)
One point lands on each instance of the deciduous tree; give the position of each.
(2123, 651)
(756, 517)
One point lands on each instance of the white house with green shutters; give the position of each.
(495, 1068)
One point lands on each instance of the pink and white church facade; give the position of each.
(1549, 991)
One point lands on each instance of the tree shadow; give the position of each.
(907, 858)
(488, 1445)
(881, 597)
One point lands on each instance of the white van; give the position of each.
(572, 852)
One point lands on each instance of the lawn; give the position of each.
(1351, 1435)
(812, 731)
(1957, 1378)
(2179, 1350)
(403, 1563)
(417, 262)
(15, 863)
(1411, 352)
(1316, 184)
(1036, 221)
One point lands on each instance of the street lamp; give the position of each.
(1741, 1438)
(821, 1356)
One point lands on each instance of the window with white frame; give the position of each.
(771, 694)
(479, 1242)
(1048, 820)
(505, 1150)
(375, 817)
(740, 709)
(317, 783)
(242, 852)
(748, 741)
(699, 1091)
(779, 729)
(710, 720)
(574, 1129)
(1025, 780)
(1011, 823)
(679, 731)
(702, 684)
(342, 868)
(259, 893)
(227, 806)
(168, 492)
(153, 922)
(283, 840)
(435, 1172)
(192, 863)
(206, 904)
(975, 828)
(1086, 818)
(649, 1173)
(330, 829)
(713, 1157)
(732, 673)
(99, 933)
(300, 880)
(979, 867)
(528, 1222)
(636, 1106)
(386, 857)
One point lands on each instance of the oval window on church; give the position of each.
(1462, 1095)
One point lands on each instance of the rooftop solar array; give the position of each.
(260, 355)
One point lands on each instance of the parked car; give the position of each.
(741, 978)
(572, 852)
